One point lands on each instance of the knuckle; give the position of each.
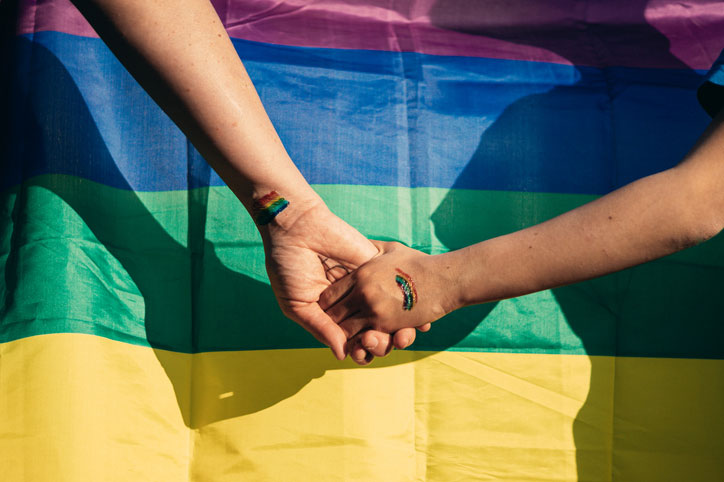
(377, 312)
(368, 291)
(364, 275)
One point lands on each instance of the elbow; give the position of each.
(690, 224)
(700, 208)
(713, 228)
(711, 218)
(706, 232)
(706, 224)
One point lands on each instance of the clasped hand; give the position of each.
(400, 288)
(304, 256)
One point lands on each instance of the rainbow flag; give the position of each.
(139, 337)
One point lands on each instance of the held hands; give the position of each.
(399, 288)
(306, 251)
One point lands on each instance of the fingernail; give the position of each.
(359, 356)
(372, 344)
(338, 356)
(406, 342)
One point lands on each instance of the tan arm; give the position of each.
(644, 220)
(647, 219)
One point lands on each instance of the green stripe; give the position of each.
(85, 258)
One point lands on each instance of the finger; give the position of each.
(343, 309)
(382, 246)
(336, 272)
(376, 342)
(404, 338)
(333, 270)
(356, 252)
(357, 351)
(319, 324)
(424, 328)
(335, 292)
(360, 356)
(353, 325)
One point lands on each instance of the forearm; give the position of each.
(650, 218)
(180, 53)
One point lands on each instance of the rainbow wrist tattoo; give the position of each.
(267, 207)
(404, 281)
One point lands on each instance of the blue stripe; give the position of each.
(360, 117)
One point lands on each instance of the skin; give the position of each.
(181, 55)
(647, 219)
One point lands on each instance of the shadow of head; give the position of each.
(556, 131)
(665, 309)
(561, 139)
(230, 313)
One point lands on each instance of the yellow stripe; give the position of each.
(78, 407)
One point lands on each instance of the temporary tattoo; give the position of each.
(267, 207)
(404, 281)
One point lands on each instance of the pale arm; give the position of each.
(181, 55)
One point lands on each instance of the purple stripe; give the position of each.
(632, 33)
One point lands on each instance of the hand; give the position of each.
(373, 297)
(367, 344)
(305, 253)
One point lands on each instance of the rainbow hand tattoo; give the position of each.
(267, 207)
(404, 281)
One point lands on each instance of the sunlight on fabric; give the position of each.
(265, 414)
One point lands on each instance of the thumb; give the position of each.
(365, 250)
(383, 246)
(380, 245)
(322, 327)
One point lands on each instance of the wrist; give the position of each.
(451, 295)
(257, 197)
(275, 208)
(293, 218)
(461, 287)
